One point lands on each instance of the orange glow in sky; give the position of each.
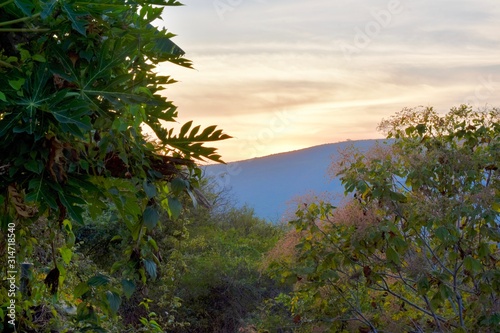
(280, 75)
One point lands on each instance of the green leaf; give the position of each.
(70, 240)
(75, 113)
(166, 46)
(442, 233)
(41, 193)
(66, 254)
(410, 130)
(47, 8)
(150, 217)
(153, 243)
(185, 128)
(194, 131)
(472, 264)
(445, 291)
(62, 271)
(114, 300)
(492, 233)
(35, 166)
(75, 17)
(399, 197)
(421, 128)
(67, 225)
(150, 267)
(39, 58)
(423, 285)
(149, 189)
(98, 280)
(8, 122)
(179, 185)
(26, 6)
(17, 84)
(437, 300)
(174, 208)
(193, 198)
(116, 238)
(83, 311)
(128, 287)
(484, 250)
(3, 97)
(193, 145)
(117, 265)
(399, 243)
(74, 210)
(392, 256)
(81, 289)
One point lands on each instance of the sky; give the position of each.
(282, 75)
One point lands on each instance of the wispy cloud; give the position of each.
(274, 56)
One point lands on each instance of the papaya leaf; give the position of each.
(76, 114)
(26, 6)
(8, 122)
(75, 211)
(47, 8)
(77, 18)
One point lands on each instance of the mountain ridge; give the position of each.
(268, 183)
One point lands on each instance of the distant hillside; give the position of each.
(268, 183)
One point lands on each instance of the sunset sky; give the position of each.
(280, 75)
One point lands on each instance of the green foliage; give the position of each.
(79, 86)
(417, 250)
(207, 267)
(222, 287)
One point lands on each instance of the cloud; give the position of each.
(285, 56)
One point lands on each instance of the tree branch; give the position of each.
(5, 64)
(23, 30)
(19, 20)
(355, 309)
(436, 319)
(6, 3)
(386, 288)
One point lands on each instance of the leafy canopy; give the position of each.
(78, 89)
(418, 247)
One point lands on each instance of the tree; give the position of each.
(418, 247)
(78, 90)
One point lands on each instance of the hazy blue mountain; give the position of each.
(268, 183)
